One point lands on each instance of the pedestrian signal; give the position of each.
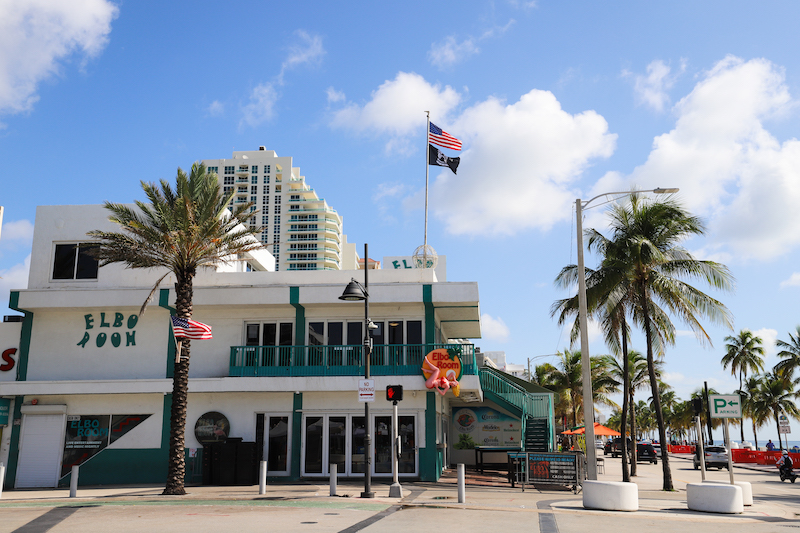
(394, 393)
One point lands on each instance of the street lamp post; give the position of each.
(530, 376)
(586, 370)
(356, 292)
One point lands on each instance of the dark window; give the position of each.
(75, 261)
(278, 443)
(286, 335)
(313, 445)
(335, 334)
(395, 332)
(316, 333)
(354, 335)
(414, 332)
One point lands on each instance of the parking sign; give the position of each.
(725, 406)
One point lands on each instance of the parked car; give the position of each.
(644, 451)
(716, 456)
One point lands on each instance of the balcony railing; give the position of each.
(386, 360)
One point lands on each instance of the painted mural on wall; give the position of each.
(88, 435)
(442, 370)
(109, 328)
(483, 426)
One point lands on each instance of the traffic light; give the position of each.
(394, 393)
(697, 405)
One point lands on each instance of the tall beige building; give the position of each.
(299, 228)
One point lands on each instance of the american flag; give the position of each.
(190, 329)
(441, 138)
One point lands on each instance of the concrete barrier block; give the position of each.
(610, 495)
(747, 489)
(714, 498)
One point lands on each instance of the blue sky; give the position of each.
(552, 100)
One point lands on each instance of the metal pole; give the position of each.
(586, 365)
(700, 447)
(730, 454)
(708, 414)
(334, 473)
(395, 490)
(427, 162)
(367, 354)
(462, 497)
(73, 482)
(262, 477)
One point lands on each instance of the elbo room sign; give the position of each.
(109, 328)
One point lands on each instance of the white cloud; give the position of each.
(768, 338)
(536, 148)
(651, 90)
(450, 52)
(308, 51)
(14, 278)
(494, 328)
(793, 281)
(334, 95)
(261, 106)
(216, 108)
(17, 230)
(264, 96)
(729, 168)
(36, 35)
(397, 108)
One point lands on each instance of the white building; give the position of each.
(91, 381)
(299, 228)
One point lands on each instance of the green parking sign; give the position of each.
(725, 405)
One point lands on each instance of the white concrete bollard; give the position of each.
(73, 482)
(715, 498)
(462, 492)
(334, 471)
(2, 478)
(610, 495)
(262, 477)
(747, 490)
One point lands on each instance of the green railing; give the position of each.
(346, 360)
(530, 404)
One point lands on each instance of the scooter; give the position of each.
(787, 473)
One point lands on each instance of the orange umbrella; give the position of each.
(599, 430)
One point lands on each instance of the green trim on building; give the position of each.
(297, 432)
(25, 337)
(163, 301)
(430, 318)
(13, 452)
(299, 316)
(430, 457)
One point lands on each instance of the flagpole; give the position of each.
(427, 162)
(178, 352)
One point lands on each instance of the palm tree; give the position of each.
(179, 230)
(643, 263)
(790, 355)
(749, 395)
(776, 395)
(744, 353)
(566, 377)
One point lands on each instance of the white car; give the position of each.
(716, 456)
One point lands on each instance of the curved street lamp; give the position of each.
(355, 292)
(586, 370)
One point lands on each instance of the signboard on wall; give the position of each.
(88, 435)
(483, 426)
(5, 407)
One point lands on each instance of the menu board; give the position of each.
(559, 468)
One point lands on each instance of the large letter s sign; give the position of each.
(8, 362)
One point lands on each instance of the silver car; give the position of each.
(716, 457)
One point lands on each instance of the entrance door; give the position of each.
(40, 450)
(382, 463)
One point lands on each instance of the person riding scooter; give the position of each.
(784, 465)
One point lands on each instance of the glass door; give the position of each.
(382, 459)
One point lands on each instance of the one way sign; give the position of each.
(725, 406)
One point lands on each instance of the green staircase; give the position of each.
(531, 403)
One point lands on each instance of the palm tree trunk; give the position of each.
(741, 424)
(633, 433)
(755, 436)
(176, 472)
(778, 425)
(626, 385)
(651, 369)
